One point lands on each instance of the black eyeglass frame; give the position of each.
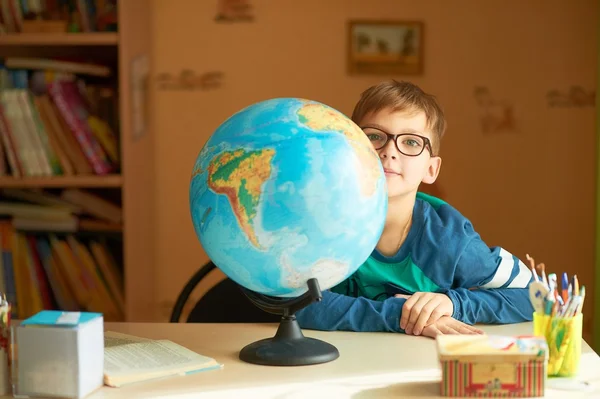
(395, 138)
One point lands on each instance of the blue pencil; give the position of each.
(565, 287)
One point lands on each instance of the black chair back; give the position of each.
(223, 303)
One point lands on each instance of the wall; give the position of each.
(531, 191)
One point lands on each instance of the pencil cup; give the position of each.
(563, 336)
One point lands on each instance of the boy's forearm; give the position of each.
(345, 313)
(491, 306)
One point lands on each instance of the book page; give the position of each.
(149, 357)
(112, 338)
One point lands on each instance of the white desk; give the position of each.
(371, 365)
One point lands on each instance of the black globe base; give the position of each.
(289, 347)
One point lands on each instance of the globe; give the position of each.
(286, 190)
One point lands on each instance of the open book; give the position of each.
(129, 359)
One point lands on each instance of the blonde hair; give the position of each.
(403, 96)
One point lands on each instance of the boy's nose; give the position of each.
(389, 150)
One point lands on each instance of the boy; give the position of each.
(430, 273)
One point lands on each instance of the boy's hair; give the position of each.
(403, 96)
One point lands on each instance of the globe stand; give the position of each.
(289, 347)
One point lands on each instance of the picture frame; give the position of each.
(390, 47)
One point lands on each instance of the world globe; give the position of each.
(288, 190)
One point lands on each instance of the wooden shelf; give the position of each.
(60, 39)
(133, 188)
(108, 181)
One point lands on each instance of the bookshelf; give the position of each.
(60, 39)
(132, 184)
(110, 181)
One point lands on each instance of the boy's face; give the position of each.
(404, 173)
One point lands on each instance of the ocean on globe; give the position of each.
(285, 190)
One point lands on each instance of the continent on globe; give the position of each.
(321, 118)
(239, 175)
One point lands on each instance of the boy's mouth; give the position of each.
(390, 172)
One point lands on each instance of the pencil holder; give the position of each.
(563, 336)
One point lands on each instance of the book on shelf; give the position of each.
(129, 359)
(53, 123)
(45, 261)
(50, 16)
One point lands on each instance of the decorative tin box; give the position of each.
(492, 366)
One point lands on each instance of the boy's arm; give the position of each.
(491, 306)
(341, 312)
(490, 286)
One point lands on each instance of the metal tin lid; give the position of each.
(491, 348)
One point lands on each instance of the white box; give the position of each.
(59, 354)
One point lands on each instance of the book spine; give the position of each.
(90, 147)
(18, 132)
(8, 142)
(34, 134)
(46, 148)
(7, 262)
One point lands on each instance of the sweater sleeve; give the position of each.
(341, 312)
(495, 306)
(490, 286)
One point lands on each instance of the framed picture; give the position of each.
(385, 47)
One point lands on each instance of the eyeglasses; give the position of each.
(409, 144)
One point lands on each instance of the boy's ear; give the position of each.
(435, 163)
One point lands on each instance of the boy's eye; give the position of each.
(412, 141)
(375, 135)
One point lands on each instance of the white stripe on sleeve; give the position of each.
(503, 271)
(522, 278)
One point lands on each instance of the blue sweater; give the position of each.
(442, 253)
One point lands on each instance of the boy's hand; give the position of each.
(422, 309)
(449, 325)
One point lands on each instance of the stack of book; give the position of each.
(54, 124)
